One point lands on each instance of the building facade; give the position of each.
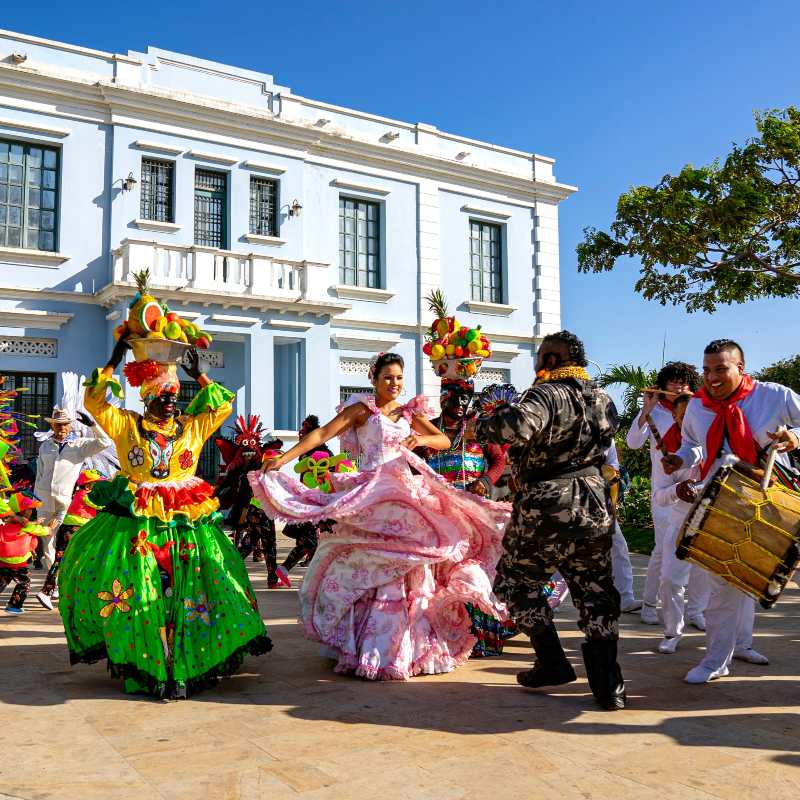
(302, 235)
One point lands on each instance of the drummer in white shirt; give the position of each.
(675, 377)
(731, 414)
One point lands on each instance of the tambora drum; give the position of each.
(747, 535)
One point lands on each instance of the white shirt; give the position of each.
(612, 459)
(768, 406)
(57, 471)
(638, 436)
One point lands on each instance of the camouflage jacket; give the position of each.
(557, 427)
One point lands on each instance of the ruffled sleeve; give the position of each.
(209, 409)
(418, 407)
(349, 439)
(110, 418)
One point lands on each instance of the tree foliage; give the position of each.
(719, 234)
(786, 372)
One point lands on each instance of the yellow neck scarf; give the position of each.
(579, 373)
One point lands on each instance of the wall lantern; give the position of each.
(128, 183)
(295, 208)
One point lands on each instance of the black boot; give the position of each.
(604, 674)
(551, 667)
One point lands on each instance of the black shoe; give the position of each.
(551, 667)
(604, 673)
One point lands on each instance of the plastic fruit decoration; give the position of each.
(149, 319)
(448, 339)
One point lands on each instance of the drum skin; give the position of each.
(750, 538)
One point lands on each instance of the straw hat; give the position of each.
(60, 416)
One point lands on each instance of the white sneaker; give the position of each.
(750, 656)
(669, 644)
(650, 615)
(701, 674)
(629, 606)
(697, 621)
(55, 594)
(45, 600)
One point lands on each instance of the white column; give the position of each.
(546, 269)
(430, 275)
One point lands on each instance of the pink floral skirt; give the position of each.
(386, 591)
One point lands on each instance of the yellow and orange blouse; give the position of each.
(159, 459)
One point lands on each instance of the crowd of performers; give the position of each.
(453, 533)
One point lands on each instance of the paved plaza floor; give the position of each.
(287, 727)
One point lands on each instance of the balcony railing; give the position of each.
(208, 271)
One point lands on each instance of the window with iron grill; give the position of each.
(37, 399)
(208, 465)
(263, 206)
(346, 392)
(359, 243)
(210, 208)
(157, 191)
(28, 195)
(486, 269)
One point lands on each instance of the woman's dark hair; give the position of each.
(384, 360)
(577, 354)
(678, 371)
(724, 346)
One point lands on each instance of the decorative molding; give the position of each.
(26, 346)
(156, 225)
(256, 238)
(214, 358)
(486, 212)
(214, 157)
(504, 354)
(354, 366)
(492, 309)
(158, 147)
(346, 292)
(368, 343)
(489, 375)
(359, 187)
(260, 166)
(67, 48)
(34, 127)
(235, 319)
(32, 318)
(290, 325)
(32, 258)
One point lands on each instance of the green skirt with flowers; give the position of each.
(169, 605)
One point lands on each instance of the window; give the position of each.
(263, 206)
(486, 273)
(210, 208)
(346, 392)
(28, 189)
(208, 465)
(289, 385)
(157, 190)
(36, 399)
(359, 242)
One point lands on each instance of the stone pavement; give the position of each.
(287, 727)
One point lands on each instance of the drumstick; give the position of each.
(656, 436)
(773, 454)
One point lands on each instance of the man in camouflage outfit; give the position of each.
(562, 520)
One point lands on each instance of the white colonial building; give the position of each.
(303, 235)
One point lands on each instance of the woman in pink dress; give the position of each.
(386, 591)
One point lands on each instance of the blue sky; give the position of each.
(618, 93)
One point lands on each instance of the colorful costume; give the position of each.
(387, 589)
(253, 530)
(18, 540)
(152, 583)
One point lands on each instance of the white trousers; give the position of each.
(730, 616)
(661, 527)
(621, 566)
(676, 577)
(50, 517)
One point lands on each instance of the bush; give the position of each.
(634, 509)
(636, 462)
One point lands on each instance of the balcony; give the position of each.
(205, 275)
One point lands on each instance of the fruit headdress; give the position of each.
(151, 327)
(456, 351)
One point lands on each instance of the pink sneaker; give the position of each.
(283, 577)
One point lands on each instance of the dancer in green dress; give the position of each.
(153, 584)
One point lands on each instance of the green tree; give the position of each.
(719, 234)
(786, 372)
(634, 381)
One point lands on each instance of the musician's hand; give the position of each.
(477, 487)
(671, 463)
(785, 439)
(686, 491)
(649, 403)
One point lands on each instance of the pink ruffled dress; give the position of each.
(386, 591)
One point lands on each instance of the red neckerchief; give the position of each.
(672, 438)
(730, 419)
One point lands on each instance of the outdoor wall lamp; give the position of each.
(295, 208)
(128, 183)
